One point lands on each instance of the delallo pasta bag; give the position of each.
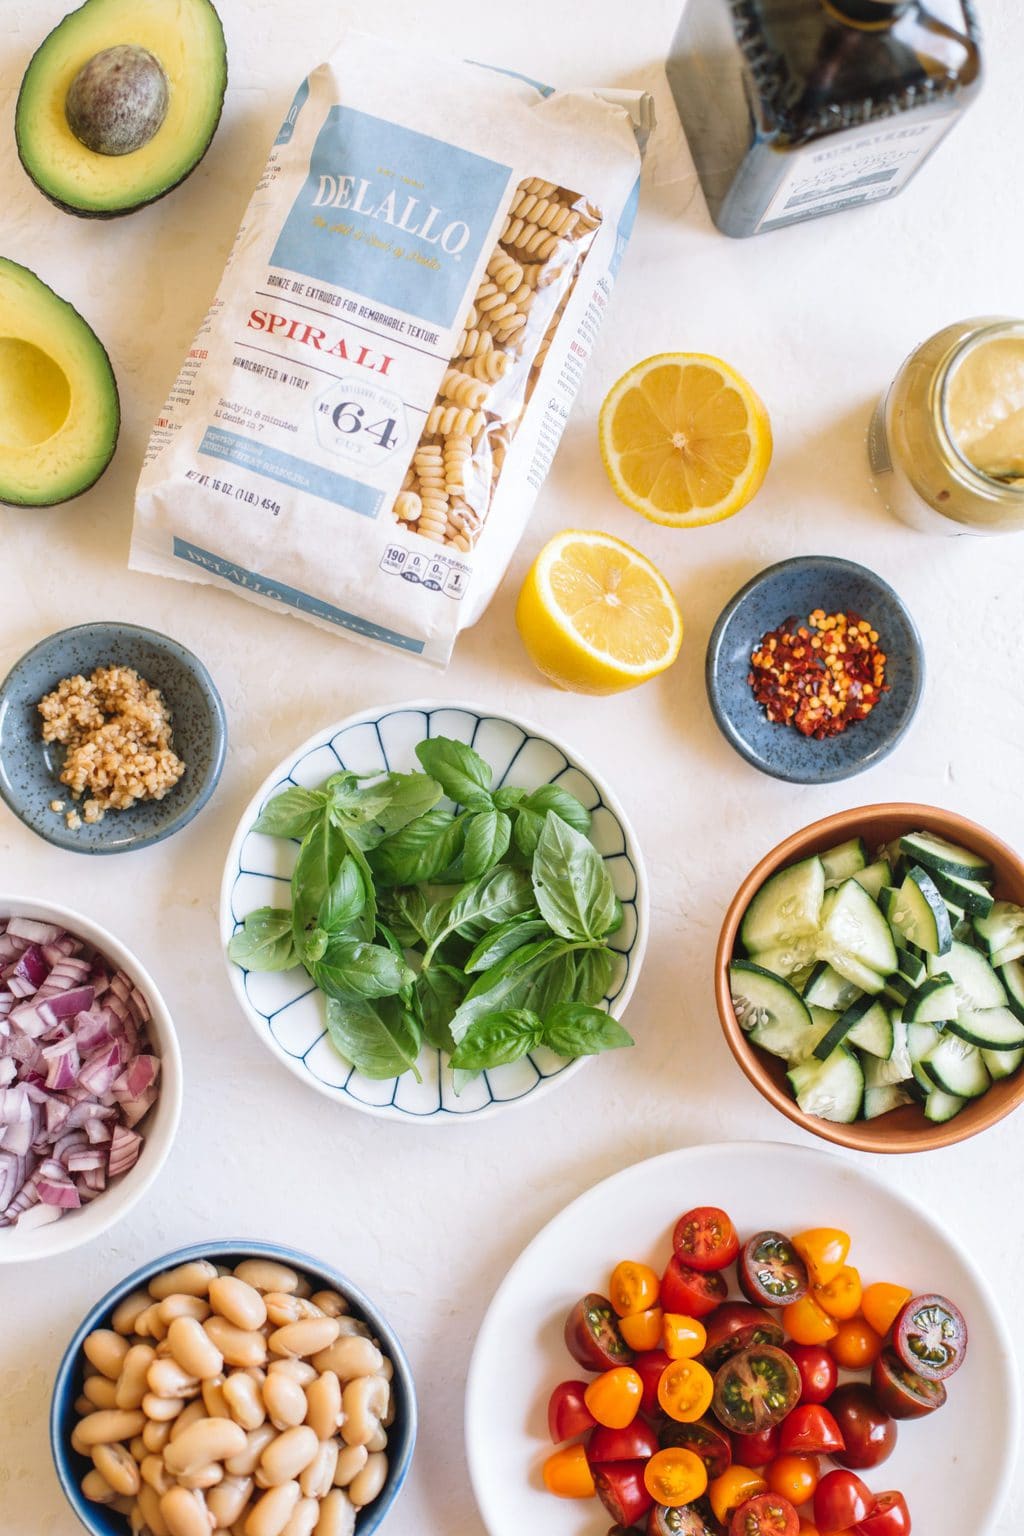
(361, 426)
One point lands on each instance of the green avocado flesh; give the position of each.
(119, 103)
(59, 413)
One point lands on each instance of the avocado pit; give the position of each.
(118, 100)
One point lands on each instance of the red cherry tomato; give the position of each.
(568, 1414)
(690, 1291)
(818, 1372)
(736, 1325)
(868, 1431)
(930, 1337)
(770, 1271)
(768, 1514)
(649, 1366)
(840, 1500)
(756, 1450)
(902, 1392)
(592, 1335)
(620, 1487)
(889, 1516)
(811, 1430)
(705, 1239)
(705, 1439)
(634, 1443)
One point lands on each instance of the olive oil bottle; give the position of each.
(798, 108)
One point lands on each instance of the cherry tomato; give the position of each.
(818, 1374)
(592, 1335)
(902, 1392)
(675, 1476)
(795, 1477)
(685, 1390)
(734, 1488)
(567, 1473)
(614, 1397)
(689, 1291)
(690, 1520)
(840, 1298)
(855, 1345)
(650, 1366)
(705, 1439)
(636, 1442)
(633, 1288)
(881, 1304)
(756, 1450)
(811, 1430)
(888, 1516)
(868, 1431)
(756, 1388)
(620, 1487)
(736, 1325)
(705, 1239)
(766, 1515)
(807, 1323)
(841, 1499)
(930, 1336)
(568, 1414)
(682, 1338)
(824, 1251)
(770, 1271)
(642, 1330)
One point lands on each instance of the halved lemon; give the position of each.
(684, 438)
(596, 616)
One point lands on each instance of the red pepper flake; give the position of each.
(824, 686)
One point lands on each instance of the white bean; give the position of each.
(244, 1400)
(149, 1508)
(378, 1441)
(204, 1441)
(155, 1434)
(316, 1479)
(151, 1324)
(96, 1488)
(191, 1279)
(167, 1379)
(195, 1411)
(182, 1306)
(247, 1460)
(288, 1455)
(118, 1467)
(163, 1409)
(363, 1402)
(155, 1473)
(238, 1302)
(193, 1349)
(82, 1406)
(350, 1356)
(185, 1513)
(270, 1514)
(351, 1460)
(323, 1400)
(206, 1477)
(214, 1400)
(239, 1346)
(267, 1275)
(107, 1425)
(330, 1303)
(337, 1515)
(299, 1370)
(304, 1338)
(101, 1392)
(106, 1350)
(285, 1400)
(127, 1312)
(132, 1384)
(367, 1484)
(227, 1501)
(304, 1518)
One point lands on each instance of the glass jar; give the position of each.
(927, 426)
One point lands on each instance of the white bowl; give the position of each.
(284, 1007)
(28, 1239)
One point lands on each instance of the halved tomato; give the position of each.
(770, 1271)
(592, 1335)
(620, 1487)
(840, 1500)
(756, 1450)
(930, 1336)
(688, 1520)
(650, 1367)
(736, 1325)
(888, 1516)
(568, 1414)
(636, 1442)
(756, 1388)
(811, 1430)
(690, 1290)
(901, 1392)
(705, 1239)
(705, 1439)
(768, 1514)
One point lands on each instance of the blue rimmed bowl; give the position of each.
(71, 1467)
(286, 1010)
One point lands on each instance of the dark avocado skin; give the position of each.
(118, 213)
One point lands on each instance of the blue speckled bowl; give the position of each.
(797, 587)
(30, 768)
(71, 1467)
(284, 1007)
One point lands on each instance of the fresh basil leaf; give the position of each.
(314, 943)
(409, 796)
(527, 830)
(264, 942)
(291, 813)
(509, 796)
(512, 983)
(487, 840)
(381, 1039)
(556, 984)
(505, 939)
(353, 968)
(421, 850)
(461, 772)
(573, 888)
(552, 797)
(594, 971)
(439, 992)
(346, 899)
(406, 912)
(316, 869)
(497, 1039)
(616, 922)
(574, 1029)
(481, 904)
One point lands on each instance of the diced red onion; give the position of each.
(125, 1147)
(34, 932)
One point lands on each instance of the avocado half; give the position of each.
(186, 40)
(59, 411)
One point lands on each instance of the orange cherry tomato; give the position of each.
(824, 1250)
(614, 1397)
(841, 1296)
(634, 1288)
(807, 1323)
(794, 1477)
(808, 1528)
(684, 1391)
(675, 1476)
(882, 1303)
(642, 1330)
(682, 1338)
(735, 1486)
(855, 1345)
(567, 1473)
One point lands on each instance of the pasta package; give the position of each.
(362, 423)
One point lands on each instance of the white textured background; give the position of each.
(818, 317)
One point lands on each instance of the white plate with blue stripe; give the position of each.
(287, 1011)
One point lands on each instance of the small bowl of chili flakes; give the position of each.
(814, 670)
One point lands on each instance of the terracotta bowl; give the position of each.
(902, 1130)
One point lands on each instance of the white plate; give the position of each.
(284, 1007)
(953, 1466)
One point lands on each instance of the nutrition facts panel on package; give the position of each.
(438, 573)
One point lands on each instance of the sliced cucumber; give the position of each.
(842, 1024)
(1002, 1064)
(1001, 926)
(879, 1101)
(994, 1029)
(787, 907)
(956, 1067)
(919, 914)
(832, 1089)
(977, 984)
(873, 1032)
(827, 989)
(921, 1041)
(940, 1107)
(887, 899)
(934, 1001)
(761, 998)
(912, 965)
(875, 878)
(789, 960)
(842, 862)
(969, 895)
(861, 976)
(879, 1073)
(855, 930)
(1012, 951)
(898, 989)
(1012, 977)
(961, 925)
(936, 853)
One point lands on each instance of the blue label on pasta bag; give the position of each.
(392, 215)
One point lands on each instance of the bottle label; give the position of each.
(852, 169)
